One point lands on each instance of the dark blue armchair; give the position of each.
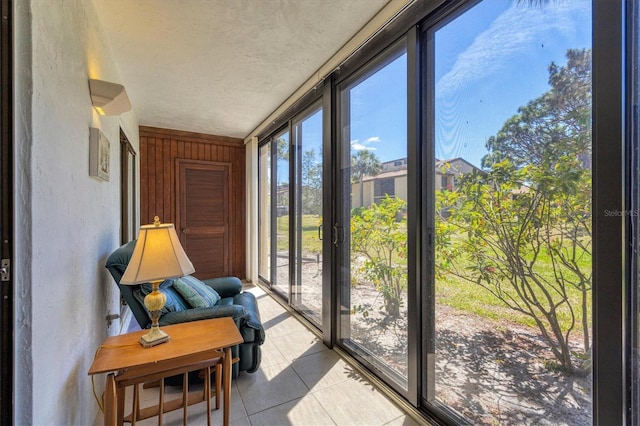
(241, 306)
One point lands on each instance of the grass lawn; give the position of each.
(310, 241)
(450, 290)
(471, 297)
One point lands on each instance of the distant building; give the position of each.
(392, 180)
(448, 171)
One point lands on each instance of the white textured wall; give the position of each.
(67, 222)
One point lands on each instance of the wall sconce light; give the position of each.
(108, 98)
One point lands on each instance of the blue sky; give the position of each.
(488, 62)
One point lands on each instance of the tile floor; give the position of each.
(300, 382)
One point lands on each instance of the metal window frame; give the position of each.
(632, 151)
(610, 274)
(7, 343)
(262, 278)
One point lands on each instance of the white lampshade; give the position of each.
(158, 255)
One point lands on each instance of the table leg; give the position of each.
(207, 392)
(218, 384)
(110, 402)
(185, 398)
(135, 412)
(120, 394)
(226, 369)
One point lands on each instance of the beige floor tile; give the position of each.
(239, 422)
(299, 344)
(269, 308)
(282, 325)
(270, 355)
(270, 386)
(403, 421)
(304, 411)
(322, 369)
(357, 403)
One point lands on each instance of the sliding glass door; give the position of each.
(509, 310)
(281, 198)
(308, 219)
(372, 230)
(264, 215)
(291, 209)
(458, 216)
(273, 170)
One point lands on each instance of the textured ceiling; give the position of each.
(222, 66)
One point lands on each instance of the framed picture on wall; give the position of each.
(99, 154)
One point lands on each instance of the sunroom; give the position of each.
(444, 193)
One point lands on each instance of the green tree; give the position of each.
(556, 124)
(522, 228)
(282, 163)
(282, 148)
(364, 163)
(527, 245)
(311, 183)
(381, 239)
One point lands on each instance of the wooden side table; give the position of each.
(193, 346)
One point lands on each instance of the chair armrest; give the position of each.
(196, 314)
(225, 286)
(251, 317)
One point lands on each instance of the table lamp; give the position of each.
(156, 257)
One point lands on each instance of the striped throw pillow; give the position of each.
(195, 292)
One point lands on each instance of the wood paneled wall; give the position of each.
(159, 150)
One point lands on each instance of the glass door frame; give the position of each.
(406, 43)
(425, 53)
(271, 139)
(275, 285)
(320, 99)
(295, 252)
(610, 269)
(7, 314)
(610, 393)
(261, 277)
(632, 152)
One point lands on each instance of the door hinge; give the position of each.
(5, 270)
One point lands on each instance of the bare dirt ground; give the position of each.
(499, 373)
(492, 372)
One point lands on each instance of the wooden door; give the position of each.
(202, 222)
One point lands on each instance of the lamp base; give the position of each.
(154, 302)
(154, 337)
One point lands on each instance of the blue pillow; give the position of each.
(174, 303)
(196, 293)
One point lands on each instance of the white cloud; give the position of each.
(355, 144)
(359, 147)
(507, 36)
